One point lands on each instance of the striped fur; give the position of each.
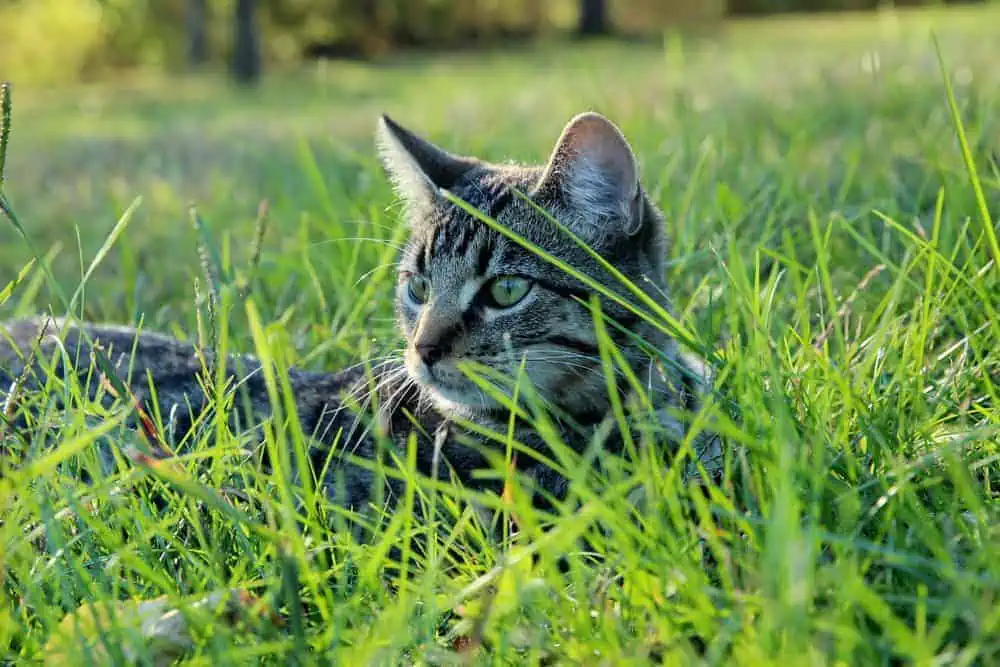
(590, 184)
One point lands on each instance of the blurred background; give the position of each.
(831, 236)
(47, 41)
(747, 116)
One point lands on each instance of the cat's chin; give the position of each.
(468, 403)
(460, 398)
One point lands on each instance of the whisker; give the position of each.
(370, 224)
(328, 419)
(376, 362)
(388, 408)
(389, 377)
(366, 239)
(367, 274)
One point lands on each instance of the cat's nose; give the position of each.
(429, 353)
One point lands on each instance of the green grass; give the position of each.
(831, 245)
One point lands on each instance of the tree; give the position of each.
(197, 29)
(593, 17)
(246, 59)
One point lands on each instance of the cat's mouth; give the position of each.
(462, 397)
(452, 389)
(469, 396)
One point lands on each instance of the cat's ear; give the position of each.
(593, 170)
(418, 169)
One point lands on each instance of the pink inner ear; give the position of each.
(600, 144)
(595, 139)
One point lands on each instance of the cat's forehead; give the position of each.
(491, 188)
(456, 240)
(454, 243)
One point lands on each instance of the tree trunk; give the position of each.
(246, 60)
(593, 17)
(197, 29)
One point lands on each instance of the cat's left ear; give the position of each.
(418, 168)
(593, 170)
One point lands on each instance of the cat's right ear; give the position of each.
(593, 169)
(418, 169)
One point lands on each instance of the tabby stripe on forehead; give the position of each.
(485, 254)
(421, 261)
(500, 203)
(440, 238)
(469, 232)
(473, 227)
(429, 248)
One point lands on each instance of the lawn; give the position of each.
(832, 245)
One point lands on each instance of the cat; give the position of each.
(465, 292)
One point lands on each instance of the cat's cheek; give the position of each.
(414, 367)
(407, 318)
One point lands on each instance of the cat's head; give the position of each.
(468, 293)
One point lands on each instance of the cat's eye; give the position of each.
(505, 291)
(418, 288)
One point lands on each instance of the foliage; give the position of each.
(775, 6)
(832, 242)
(58, 38)
(54, 41)
(49, 41)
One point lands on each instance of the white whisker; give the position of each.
(364, 239)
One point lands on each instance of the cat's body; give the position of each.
(466, 292)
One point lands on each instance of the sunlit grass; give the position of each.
(831, 249)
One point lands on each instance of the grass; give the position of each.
(831, 245)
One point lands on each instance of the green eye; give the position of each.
(418, 287)
(505, 291)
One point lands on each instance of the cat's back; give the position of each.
(44, 339)
(325, 401)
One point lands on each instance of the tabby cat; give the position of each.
(465, 292)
